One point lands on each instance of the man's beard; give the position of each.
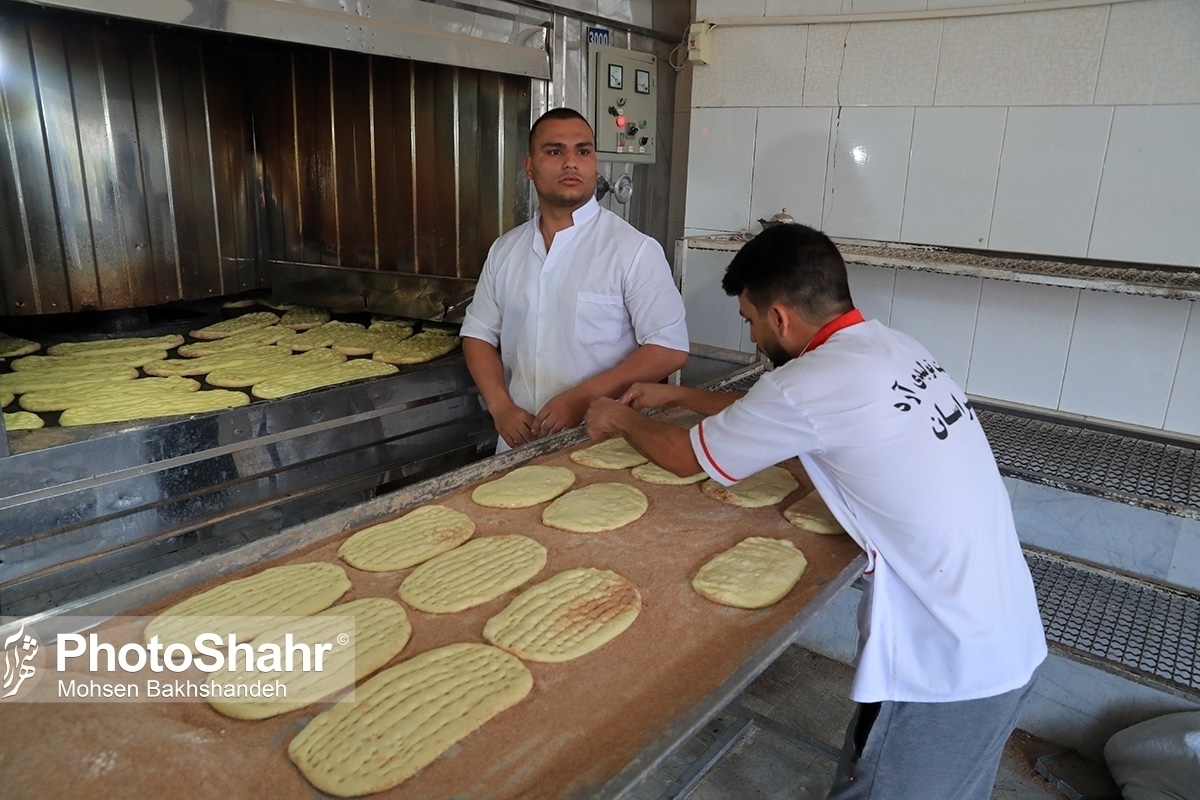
(777, 355)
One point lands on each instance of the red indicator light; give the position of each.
(620, 122)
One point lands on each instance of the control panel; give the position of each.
(624, 87)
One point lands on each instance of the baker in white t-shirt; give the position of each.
(574, 304)
(950, 633)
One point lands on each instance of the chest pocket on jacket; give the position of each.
(599, 318)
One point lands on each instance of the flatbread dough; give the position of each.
(595, 508)
(272, 334)
(524, 487)
(763, 488)
(615, 453)
(301, 318)
(398, 328)
(6, 398)
(244, 606)
(381, 630)
(409, 540)
(41, 379)
(324, 335)
(160, 405)
(425, 346)
(473, 574)
(228, 327)
(98, 361)
(754, 573)
(253, 371)
(165, 342)
(407, 716)
(13, 346)
(653, 473)
(142, 389)
(22, 421)
(566, 616)
(202, 365)
(331, 375)
(811, 514)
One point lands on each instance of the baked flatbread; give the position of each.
(398, 328)
(524, 487)
(98, 361)
(272, 334)
(22, 421)
(250, 372)
(244, 606)
(165, 342)
(473, 574)
(380, 631)
(301, 318)
(202, 365)
(330, 375)
(763, 488)
(228, 327)
(754, 573)
(13, 346)
(653, 473)
(615, 453)
(407, 716)
(406, 541)
(163, 405)
(425, 346)
(811, 514)
(595, 508)
(566, 616)
(142, 389)
(324, 335)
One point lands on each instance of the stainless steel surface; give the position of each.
(400, 294)
(88, 508)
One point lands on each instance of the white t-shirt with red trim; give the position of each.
(898, 454)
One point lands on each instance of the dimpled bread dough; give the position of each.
(245, 373)
(166, 404)
(243, 606)
(325, 375)
(381, 629)
(615, 453)
(653, 473)
(566, 616)
(22, 421)
(524, 487)
(595, 508)
(409, 540)
(228, 327)
(99, 361)
(473, 574)
(754, 573)
(164, 342)
(202, 365)
(407, 716)
(425, 346)
(12, 346)
(764, 488)
(811, 514)
(118, 391)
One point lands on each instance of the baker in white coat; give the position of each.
(573, 305)
(949, 630)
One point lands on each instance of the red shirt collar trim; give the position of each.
(851, 317)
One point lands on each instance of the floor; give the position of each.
(795, 715)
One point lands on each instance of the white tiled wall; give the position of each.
(1066, 133)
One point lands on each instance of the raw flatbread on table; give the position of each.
(331, 375)
(121, 391)
(244, 606)
(653, 473)
(228, 327)
(13, 346)
(811, 514)
(202, 365)
(161, 405)
(166, 342)
(595, 508)
(425, 346)
(381, 630)
(473, 573)
(406, 541)
(763, 488)
(242, 374)
(407, 716)
(565, 617)
(614, 453)
(22, 421)
(101, 360)
(754, 573)
(524, 487)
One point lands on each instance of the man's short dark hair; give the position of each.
(557, 113)
(794, 265)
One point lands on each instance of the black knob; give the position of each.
(645, 140)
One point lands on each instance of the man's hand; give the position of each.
(564, 410)
(650, 395)
(514, 424)
(604, 416)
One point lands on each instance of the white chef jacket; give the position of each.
(564, 316)
(897, 453)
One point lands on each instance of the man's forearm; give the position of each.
(649, 363)
(483, 362)
(665, 444)
(702, 401)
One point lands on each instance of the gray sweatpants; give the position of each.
(930, 751)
